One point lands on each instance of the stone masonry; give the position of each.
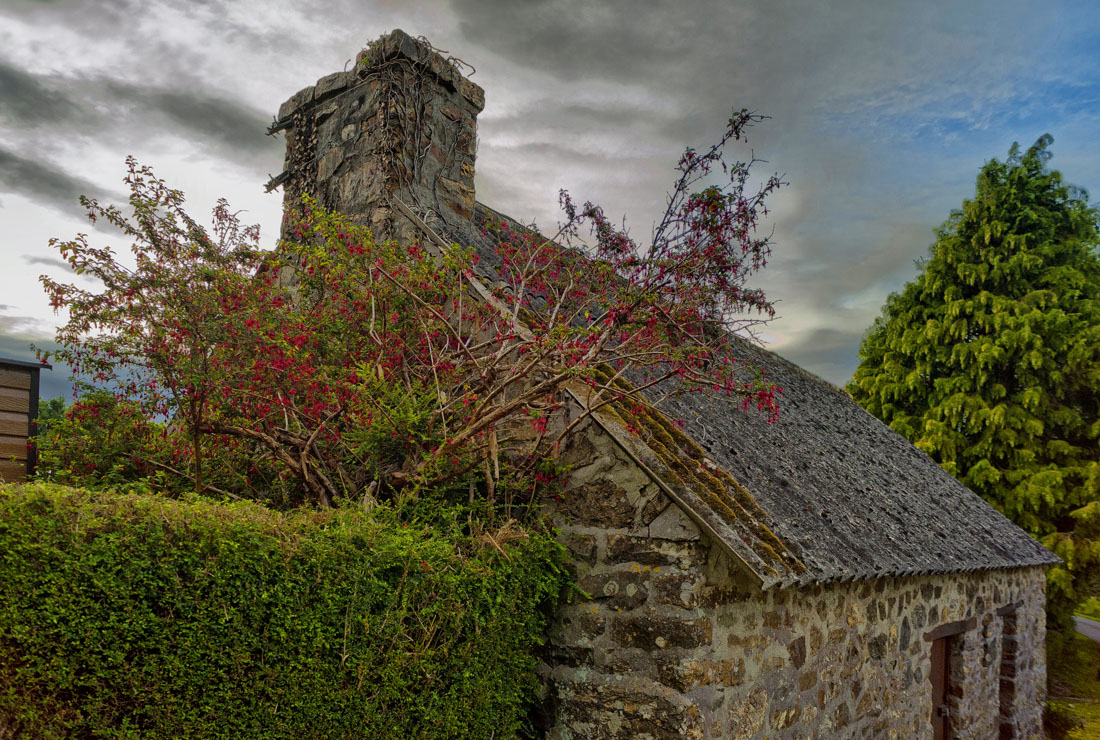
(675, 643)
(402, 123)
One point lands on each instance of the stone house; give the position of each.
(815, 578)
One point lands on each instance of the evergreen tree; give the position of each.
(990, 360)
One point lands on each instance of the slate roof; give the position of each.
(848, 495)
(845, 496)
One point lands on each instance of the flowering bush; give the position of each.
(100, 440)
(368, 370)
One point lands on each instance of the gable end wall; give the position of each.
(674, 643)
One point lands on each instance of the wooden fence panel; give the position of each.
(15, 399)
(15, 379)
(13, 423)
(18, 408)
(13, 447)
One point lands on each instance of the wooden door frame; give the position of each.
(941, 639)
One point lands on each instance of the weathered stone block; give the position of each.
(773, 664)
(333, 83)
(842, 716)
(296, 101)
(904, 635)
(582, 547)
(748, 641)
(816, 639)
(677, 589)
(331, 160)
(457, 207)
(687, 674)
(807, 680)
(473, 93)
(453, 113)
(784, 718)
(599, 503)
(461, 190)
(566, 655)
(624, 713)
(651, 632)
(578, 625)
(746, 716)
(622, 590)
(670, 523)
(867, 706)
(797, 651)
(620, 662)
(876, 647)
(644, 551)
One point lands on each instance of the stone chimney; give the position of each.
(402, 123)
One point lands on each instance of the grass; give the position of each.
(1074, 671)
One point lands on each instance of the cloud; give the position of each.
(882, 112)
(577, 40)
(27, 328)
(52, 383)
(29, 100)
(106, 109)
(827, 351)
(44, 181)
(46, 262)
(229, 127)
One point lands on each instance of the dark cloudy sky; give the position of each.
(882, 114)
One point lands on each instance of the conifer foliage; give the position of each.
(990, 360)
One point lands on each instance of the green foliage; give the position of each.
(130, 616)
(98, 442)
(1060, 719)
(1089, 608)
(102, 442)
(48, 412)
(990, 360)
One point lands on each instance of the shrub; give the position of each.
(129, 616)
(100, 442)
(1089, 608)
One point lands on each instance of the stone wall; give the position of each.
(675, 643)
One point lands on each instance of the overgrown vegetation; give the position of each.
(1089, 608)
(343, 368)
(128, 615)
(386, 424)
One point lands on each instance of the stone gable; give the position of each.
(676, 640)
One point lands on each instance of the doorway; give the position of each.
(941, 685)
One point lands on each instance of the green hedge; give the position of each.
(138, 616)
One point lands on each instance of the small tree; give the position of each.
(391, 369)
(149, 333)
(990, 360)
